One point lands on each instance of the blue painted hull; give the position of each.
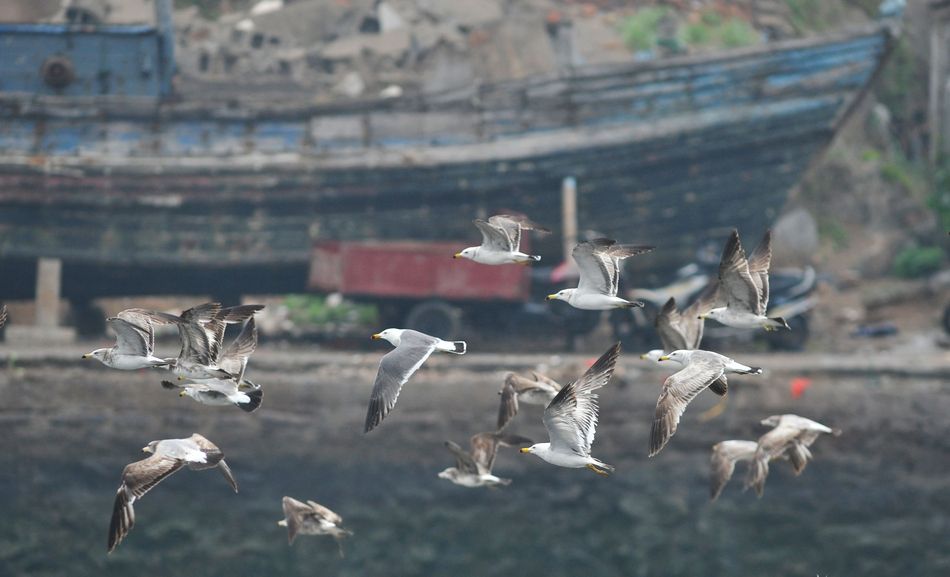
(673, 153)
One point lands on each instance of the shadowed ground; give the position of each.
(876, 501)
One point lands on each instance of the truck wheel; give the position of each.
(436, 318)
(793, 340)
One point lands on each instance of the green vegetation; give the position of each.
(833, 231)
(639, 30)
(315, 310)
(870, 155)
(735, 33)
(916, 262)
(712, 29)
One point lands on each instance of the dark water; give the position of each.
(876, 501)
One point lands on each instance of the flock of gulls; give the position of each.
(212, 374)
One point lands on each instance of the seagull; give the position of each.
(599, 264)
(167, 456)
(501, 239)
(221, 392)
(537, 390)
(792, 435)
(745, 286)
(701, 369)
(473, 469)
(312, 518)
(682, 331)
(234, 391)
(135, 341)
(396, 366)
(571, 419)
(201, 329)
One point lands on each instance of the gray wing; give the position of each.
(196, 341)
(599, 272)
(571, 418)
(669, 326)
(215, 458)
(678, 390)
(740, 289)
(599, 263)
(494, 237)
(513, 225)
(759, 264)
(227, 316)
(145, 320)
(324, 513)
(131, 339)
(395, 368)
(771, 445)
(463, 461)
(234, 358)
(485, 447)
(294, 513)
(722, 463)
(690, 324)
(137, 479)
(508, 405)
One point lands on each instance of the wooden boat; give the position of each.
(127, 184)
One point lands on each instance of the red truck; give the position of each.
(418, 284)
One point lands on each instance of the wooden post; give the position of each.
(935, 89)
(569, 214)
(48, 275)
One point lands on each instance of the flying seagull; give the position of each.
(396, 366)
(501, 239)
(701, 369)
(135, 341)
(571, 419)
(792, 435)
(745, 286)
(599, 264)
(537, 390)
(201, 330)
(473, 469)
(682, 330)
(167, 456)
(220, 393)
(312, 518)
(234, 391)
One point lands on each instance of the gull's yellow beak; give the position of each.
(181, 378)
(664, 358)
(643, 356)
(85, 356)
(145, 449)
(704, 315)
(376, 337)
(457, 255)
(181, 394)
(551, 297)
(525, 449)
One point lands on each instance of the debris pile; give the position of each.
(337, 49)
